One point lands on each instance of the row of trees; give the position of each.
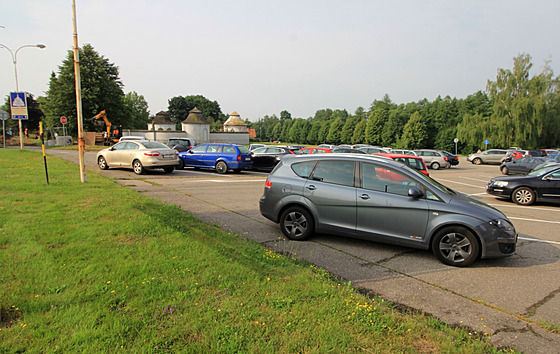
(515, 110)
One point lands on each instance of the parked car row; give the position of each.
(499, 156)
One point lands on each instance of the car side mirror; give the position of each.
(415, 193)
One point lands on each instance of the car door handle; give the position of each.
(311, 187)
(365, 196)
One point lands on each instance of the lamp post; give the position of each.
(14, 60)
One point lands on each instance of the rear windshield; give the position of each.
(243, 149)
(153, 145)
(412, 162)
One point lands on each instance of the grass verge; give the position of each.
(97, 267)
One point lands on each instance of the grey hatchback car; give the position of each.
(378, 199)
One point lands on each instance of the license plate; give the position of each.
(247, 159)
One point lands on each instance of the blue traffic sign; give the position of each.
(18, 104)
(486, 142)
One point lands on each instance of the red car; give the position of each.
(315, 150)
(413, 161)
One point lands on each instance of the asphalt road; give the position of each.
(507, 299)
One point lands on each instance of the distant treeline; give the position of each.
(515, 110)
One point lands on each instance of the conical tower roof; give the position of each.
(195, 117)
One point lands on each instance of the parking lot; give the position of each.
(507, 299)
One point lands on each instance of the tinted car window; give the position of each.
(119, 146)
(153, 145)
(386, 180)
(303, 169)
(214, 148)
(243, 149)
(229, 150)
(337, 172)
(199, 148)
(131, 146)
(260, 150)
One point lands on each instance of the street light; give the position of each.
(14, 60)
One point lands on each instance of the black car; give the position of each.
(266, 158)
(541, 184)
(453, 159)
(522, 165)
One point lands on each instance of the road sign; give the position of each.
(486, 142)
(4, 115)
(63, 120)
(455, 140)
(18, 103)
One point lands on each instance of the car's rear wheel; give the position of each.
(505, 170)
(297, 223)
(435, 166)
(102, 163)
(221, 167)
(137, 167)
(477, 161)
(456, 246)
(523, 196)
(168, 169)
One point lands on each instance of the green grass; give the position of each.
(96, 267)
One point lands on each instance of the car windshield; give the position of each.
(543, 171)
(153, 145)
(431, 182)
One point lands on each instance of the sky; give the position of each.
(259, 57)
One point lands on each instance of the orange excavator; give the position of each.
(111, 136)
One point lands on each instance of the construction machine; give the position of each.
(110, 136)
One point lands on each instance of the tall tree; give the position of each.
(377, 119)
(414, 132)
(101, 90)
(137, 109)
(335, 136)
(520, 103)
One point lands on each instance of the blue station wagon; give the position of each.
(222, 157)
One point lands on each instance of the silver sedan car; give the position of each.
(139, 156)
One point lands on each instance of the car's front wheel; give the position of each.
(102, 163)
(181, 165)
(523, 196)
(137, 167)
(435, 166)
(297, 223)
(456, 246)
(505, 170)
(221, 167)
(477, 161)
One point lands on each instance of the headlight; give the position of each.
(503, 224)
(500, 183)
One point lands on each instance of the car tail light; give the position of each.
(267, 184)
(176, 153)
(238, 157)
(445, 158)
(151, 153)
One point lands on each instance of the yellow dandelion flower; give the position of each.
(112, 291)
(109, 282)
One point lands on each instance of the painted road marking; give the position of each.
(537, 240)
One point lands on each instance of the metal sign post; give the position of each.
(3, 116)
(455, 141)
